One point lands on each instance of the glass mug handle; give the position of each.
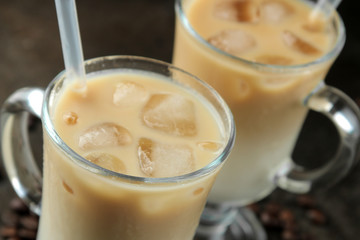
(20, 165)
(345, 115)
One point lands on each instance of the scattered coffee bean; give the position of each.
(13, 238)
(289, 235)
(287, 222)
(316, 216)
(286, 216)
(270, 220)
(29, 222)
(273, 208)
(26, 233)
(7, 232)
(10, 218)
(18, 206)
(291, 226)
(306, 201)
(18, 223)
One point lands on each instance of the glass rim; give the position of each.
(87, 165)
(335, 50)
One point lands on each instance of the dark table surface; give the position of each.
(30, 55)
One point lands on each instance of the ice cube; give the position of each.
(70, 118)
(210, 146)
(164, 160)
(275, 11)
(170, 113)
(104, 135)
(298, 44)
(274, 60)
(107, 161)
(237, 10)
(234, 42)
(128, 93)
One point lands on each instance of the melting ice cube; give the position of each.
(298, 44)
(164, 160)
(274, 60)
(237, 10)
(170, 113)
(104, 135)
(234, 42)
(275, 11)
(128, 93)
(107, 161)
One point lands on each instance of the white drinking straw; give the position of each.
(71, 42)
(325, 6)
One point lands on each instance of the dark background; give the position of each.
(30, 55)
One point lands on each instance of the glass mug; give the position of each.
(80, 200)
(269, 103)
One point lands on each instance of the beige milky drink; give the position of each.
(141, 125)
(131, 158)
(256, 54)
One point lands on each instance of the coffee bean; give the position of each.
(26, 233)
(316, 216)
(8, 232)
(9, 218)
(17, 205)
(29, 222)
(273, 208)
(306, 201)
(19, 223)
(13, 238)
(269, 220)
(286, 216)
(291, 226)
(289, 235)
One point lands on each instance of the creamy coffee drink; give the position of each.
(254, 53)
(139, 125)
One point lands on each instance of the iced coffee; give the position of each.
(264, 57)
(142, 144)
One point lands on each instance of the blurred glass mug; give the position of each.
(80, 200)
(268, 91)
